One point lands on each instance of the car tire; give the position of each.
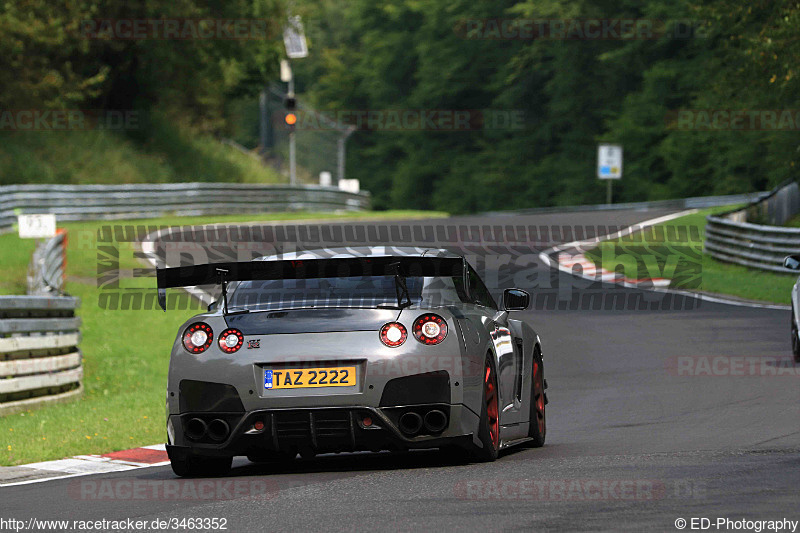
(795, 340)
(196, 466)
(538, 417)
(489, 425)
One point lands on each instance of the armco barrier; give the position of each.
(40, 362)
(697, 202)
(46, 272)
(733, 237)
(108, 202)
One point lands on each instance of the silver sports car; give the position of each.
(336, 351)
(792, 262)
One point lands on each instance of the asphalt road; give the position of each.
(674, 411)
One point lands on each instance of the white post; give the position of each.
(341, 153)
(262, 104)
(292, 160)
(292, 140)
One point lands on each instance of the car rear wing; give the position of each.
(222, 273)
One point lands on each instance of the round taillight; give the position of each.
(430, 329)
(231, 340)
(197, 337)
(393, 334)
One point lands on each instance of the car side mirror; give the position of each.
(212, 306)
(516, 300)
(792, 262)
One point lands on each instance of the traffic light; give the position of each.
(290, 117)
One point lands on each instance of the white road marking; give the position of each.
(80, 465)
(84, 465)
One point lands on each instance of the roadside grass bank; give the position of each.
(160, 151)
(696, 271)
(125, 352)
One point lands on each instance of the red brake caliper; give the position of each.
(539, 395)
(491, 407)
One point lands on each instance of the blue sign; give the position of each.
(267, 379)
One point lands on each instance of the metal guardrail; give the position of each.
(109, 202)
(48, 265)
(40, 362)
(698, 202)
(731, 238)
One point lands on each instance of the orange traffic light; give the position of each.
(290, 119)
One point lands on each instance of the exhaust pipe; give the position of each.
(195, 429)
(410, 423)
(435, 421)
(307, 453)
(218, 430)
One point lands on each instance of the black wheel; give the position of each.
(489, 426)
(194, 466)
(795, 342)
(538, 420)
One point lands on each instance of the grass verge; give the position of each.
(125, 353)
(696, 270)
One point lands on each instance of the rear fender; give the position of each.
(471, 356)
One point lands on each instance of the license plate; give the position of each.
(301, 378)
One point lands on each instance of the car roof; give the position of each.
(361, 251)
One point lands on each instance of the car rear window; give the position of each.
(365, 291)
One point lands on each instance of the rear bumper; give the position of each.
(321, 430)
